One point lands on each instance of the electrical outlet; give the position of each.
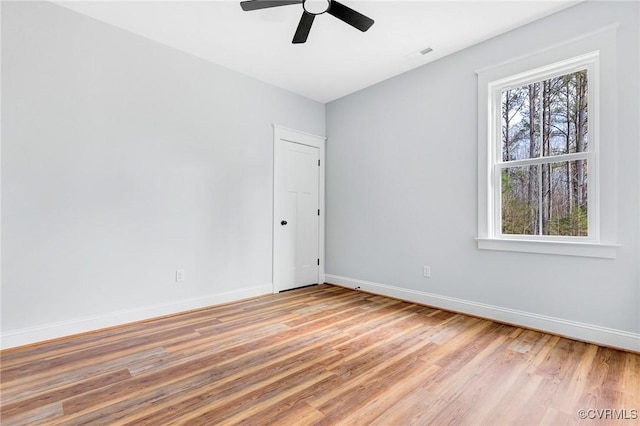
(179, 275)
(426, 271)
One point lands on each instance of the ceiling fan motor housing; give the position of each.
(312, 8)
(316, 7)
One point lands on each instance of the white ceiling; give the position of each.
(336, 59)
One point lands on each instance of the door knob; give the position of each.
(284, 222)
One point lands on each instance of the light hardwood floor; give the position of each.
(320, 355)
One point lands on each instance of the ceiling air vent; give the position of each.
(419, 53)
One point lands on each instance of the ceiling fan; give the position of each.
(311, 9)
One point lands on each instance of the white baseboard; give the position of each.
(572, 329)
(55, 330)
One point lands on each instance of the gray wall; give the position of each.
(124, 160)
(402, 185)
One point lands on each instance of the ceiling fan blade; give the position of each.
(248, 5)
(350, 16)
(304, 26)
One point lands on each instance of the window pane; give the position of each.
(521, 122)
(565, 114)
(564, 195)
(520, 200)
(546, 118)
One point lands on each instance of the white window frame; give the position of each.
(588, 62)
(588, 53)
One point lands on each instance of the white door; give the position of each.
(296, 228)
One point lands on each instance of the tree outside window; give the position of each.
(544, 166)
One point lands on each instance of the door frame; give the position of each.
(296, 136)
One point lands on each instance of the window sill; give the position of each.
(604, 251)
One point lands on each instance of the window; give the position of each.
(546, 181)
(543, 150)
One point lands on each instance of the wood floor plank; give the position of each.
(381, 405)
(16, 356)
(299, 413)
(63, 392)
(27, 386)
(631, 382)
(321, 355)
(46, 414)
